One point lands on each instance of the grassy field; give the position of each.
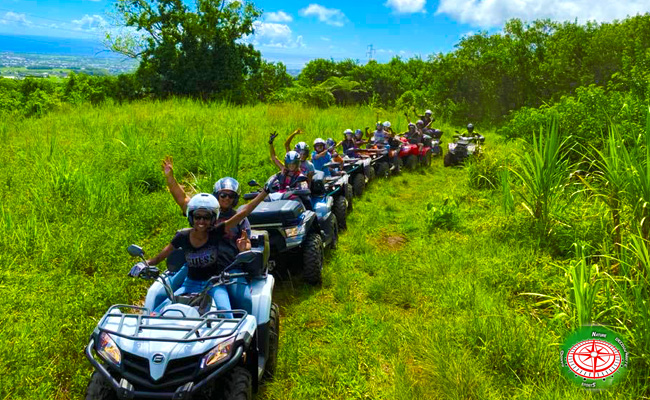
(415, 304)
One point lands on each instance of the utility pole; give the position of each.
(370, 53)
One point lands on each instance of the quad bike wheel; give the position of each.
(237, 385)
(312, 255)
(274, 335)
(398, 165)
(335, 233)
(340, 211)
(370, 172)
(358, 184)
(426, 160)
(412, 162)
(449, 160)
(383, 169)
(349, 196)
(99, 389)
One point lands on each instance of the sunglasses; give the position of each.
(224, 195)
(202, 217)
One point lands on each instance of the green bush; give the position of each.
(444, 216)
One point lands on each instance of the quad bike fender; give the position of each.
(156, 293)
(308, 219)
(424, 151)
(262, 296)
(322, 208)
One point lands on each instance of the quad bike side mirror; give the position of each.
(253, 183)
(135, 251)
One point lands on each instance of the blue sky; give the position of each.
(296, 31)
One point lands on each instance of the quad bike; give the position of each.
(336, 186)
(413, 155)
(432, 138)
(181, 346)
(462, 148)
(299, 227)
(357, 169)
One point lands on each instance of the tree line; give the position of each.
(589, 73)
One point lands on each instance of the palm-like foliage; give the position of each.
(543, 172)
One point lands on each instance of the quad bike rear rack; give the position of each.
(207, 327)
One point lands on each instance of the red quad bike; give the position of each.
(412, 156)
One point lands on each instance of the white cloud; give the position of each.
(275, 35)
(330, 16)
(385, 51)
(406, 6)
(89, 23)
(279, 16)
(493, 13)
(325, 39)
(15, 18)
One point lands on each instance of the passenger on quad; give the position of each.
(414, 136)
(202, 245)
(349, 143)
(428, 119)
(305, 166)
(290, 178)
(321, 156)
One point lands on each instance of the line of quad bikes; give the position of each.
(191, 350)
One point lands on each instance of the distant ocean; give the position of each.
(53, 45)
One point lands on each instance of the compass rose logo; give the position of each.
(594, 357)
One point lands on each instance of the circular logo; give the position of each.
(158, 358)
(594, 357)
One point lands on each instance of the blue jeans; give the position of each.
(219, 294)
(240, 293)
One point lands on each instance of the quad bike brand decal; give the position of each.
(158, 358)
(594, 357)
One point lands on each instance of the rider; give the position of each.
(202, 244)
(349, 143)
(428, 119)
(321, 156)
(305, 166)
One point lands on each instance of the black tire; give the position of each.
(370, 172)
(449, 160)
(383, 169)
(349, 196)
(99, 389)
(274, 342)
(335, 233)
(340, 210)
(411, 162)
(312, 255)
(398, 165)
(426, 160)
(358, 184)
(238, 385)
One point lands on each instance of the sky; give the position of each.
(294, 31)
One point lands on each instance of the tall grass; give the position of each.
(542, 172)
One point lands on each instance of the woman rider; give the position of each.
(201, 244)
(227, 192)
(305, 166)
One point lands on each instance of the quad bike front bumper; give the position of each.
(125, 389)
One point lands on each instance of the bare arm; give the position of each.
(287, 143)
(164, 253)
(274, 158)
(245, 211)
(175, 189)
(321, 154)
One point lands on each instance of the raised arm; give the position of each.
(287, 143)
(321, 154)
(274, 158)
(246, 210)
(175, 189)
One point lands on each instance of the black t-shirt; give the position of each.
(205, 261)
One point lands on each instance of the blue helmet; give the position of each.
(227, 183)
(301, 147)
(203, 201)
(292, 157)
(470, 127)
(330, 142)
(358, 134)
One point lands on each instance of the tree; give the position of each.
(189, 50)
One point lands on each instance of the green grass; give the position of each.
(407, 309)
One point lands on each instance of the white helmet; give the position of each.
(203, 201)
(428, 112)
(386, 124)
(348, 132)
(319, 141)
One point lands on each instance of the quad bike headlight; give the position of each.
(295, 231)
(107, 348)
(219, 353)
